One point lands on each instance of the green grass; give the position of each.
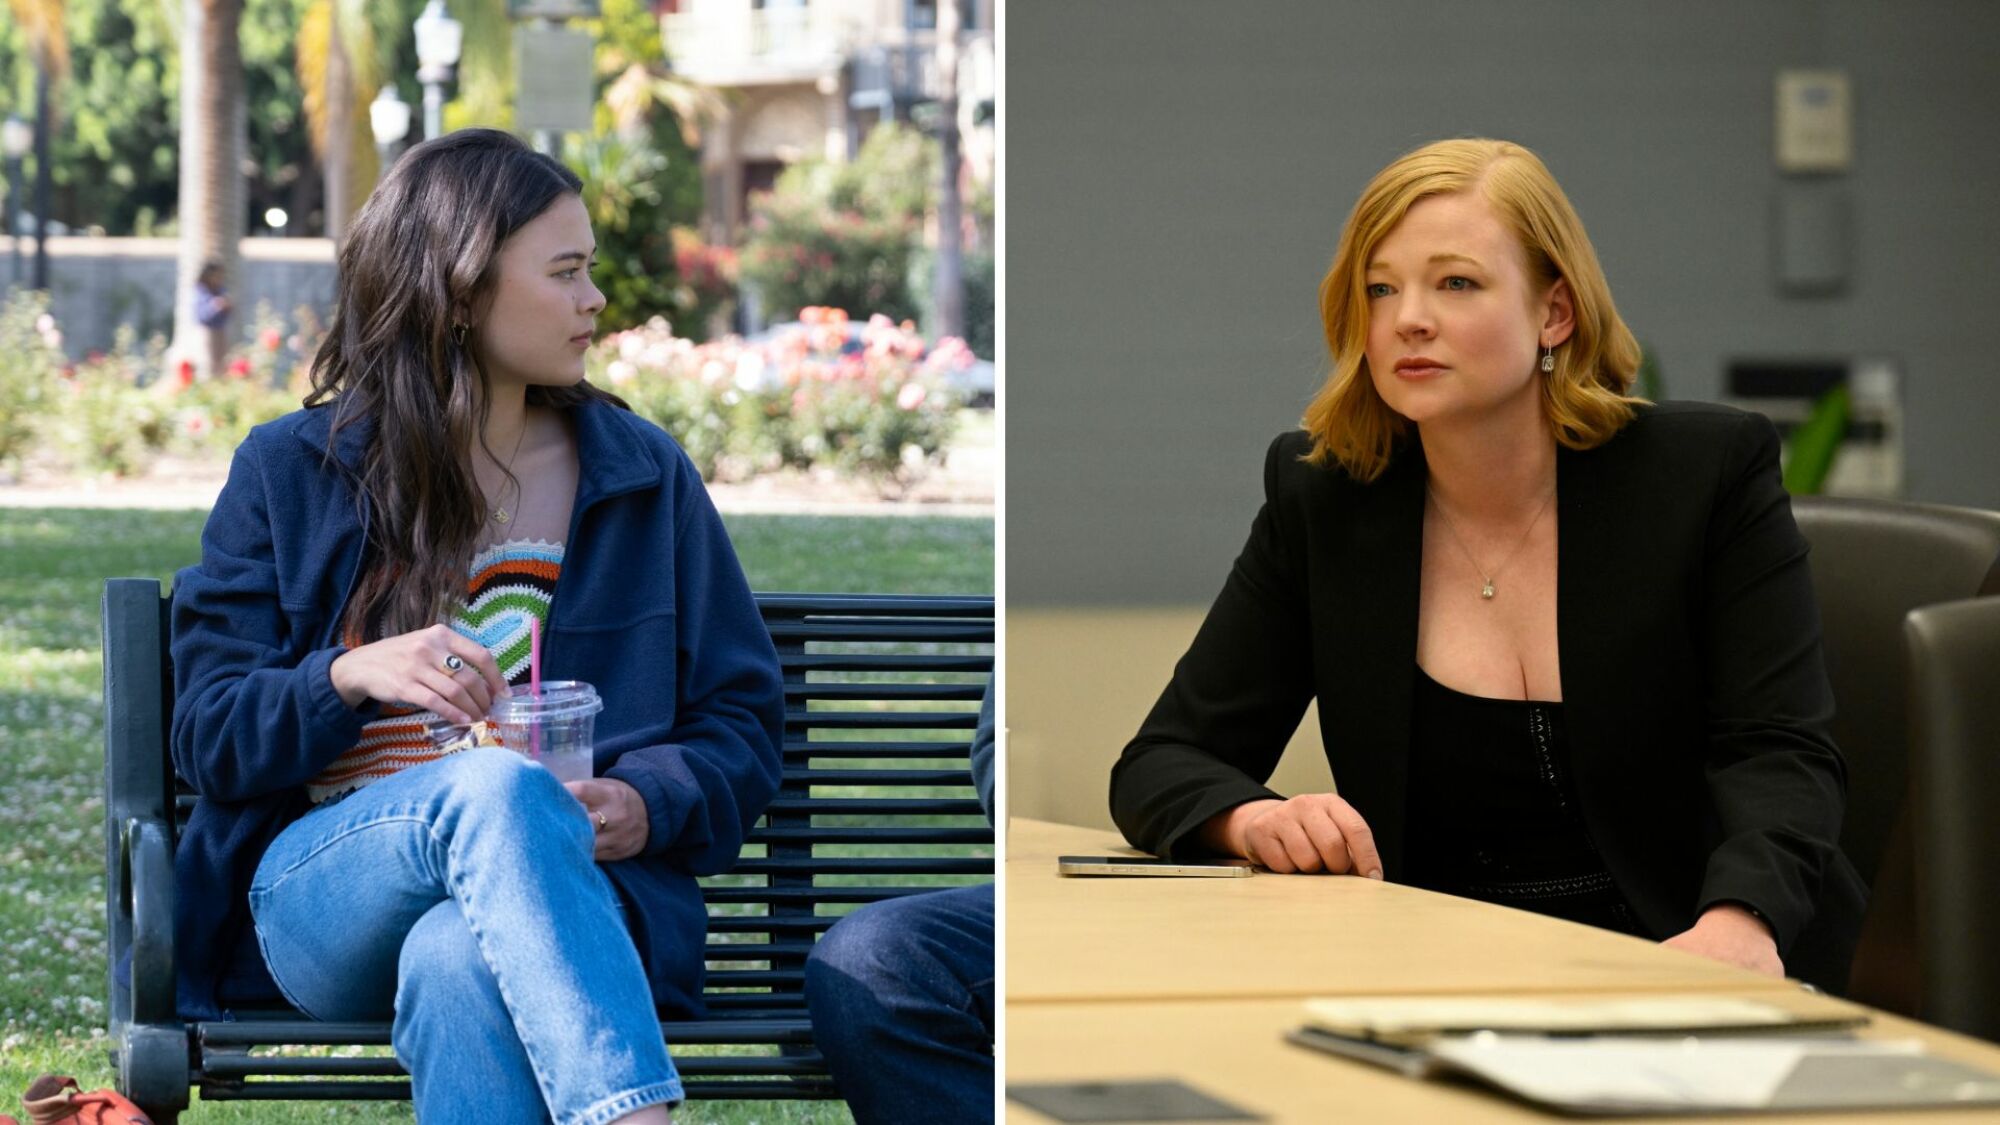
(52, 565)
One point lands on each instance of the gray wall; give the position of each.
(97, 285)
(1177, 173)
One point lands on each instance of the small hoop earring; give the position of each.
(458, 334)
(1549, 361)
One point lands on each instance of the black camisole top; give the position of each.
(1493, 812)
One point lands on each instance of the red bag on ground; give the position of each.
(55, 1099)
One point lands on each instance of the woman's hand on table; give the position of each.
(617, 814)
(1308, 834)
(415, 668)
(1733, 935)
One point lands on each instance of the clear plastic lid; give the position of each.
(560, 699)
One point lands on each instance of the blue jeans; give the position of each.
(901, 994)
(460, 897)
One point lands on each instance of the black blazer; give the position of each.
(1695, 694)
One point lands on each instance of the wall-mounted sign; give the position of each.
(553, 79)
(1815, 126)
(552, 9)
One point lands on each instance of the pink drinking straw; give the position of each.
(535, 683)
(535, 654)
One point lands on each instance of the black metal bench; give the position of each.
(881, 695)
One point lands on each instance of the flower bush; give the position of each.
(102, 421)
(844, 234)
(115, 412)
(863, 399)
(27, 373)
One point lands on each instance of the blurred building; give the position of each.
(811, 77)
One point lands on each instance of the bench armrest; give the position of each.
(146, 897)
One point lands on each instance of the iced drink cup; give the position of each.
(553, 728)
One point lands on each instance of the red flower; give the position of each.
(184, 373)
(239, 368)
(271, 339)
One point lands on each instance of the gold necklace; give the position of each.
(1486, 591)
(500, 514)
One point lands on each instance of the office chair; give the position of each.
(1873, 561)
(1954, 699)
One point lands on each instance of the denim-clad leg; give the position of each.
(461, 897)
(450, 1013)
(901, 994)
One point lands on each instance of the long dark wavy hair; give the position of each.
(418, 259)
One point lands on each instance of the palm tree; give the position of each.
(213, 144)
(42, 20)
(950, 280)
(339, 71)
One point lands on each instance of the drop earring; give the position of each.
(1549, 361)
(458, 334)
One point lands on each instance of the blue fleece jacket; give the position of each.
(651, 607)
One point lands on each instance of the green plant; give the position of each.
(28, 373)
(104, 422)
(109, 413)
(626, 185)
(844, 235)
(708, 277)
(1813, 447)
(800, 255)
(1650, 384)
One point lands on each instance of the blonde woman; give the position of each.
(1563, 641)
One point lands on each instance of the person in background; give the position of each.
(211, 310)
(901, 994)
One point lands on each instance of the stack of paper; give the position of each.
(1583, 1055)
(1416, 1020)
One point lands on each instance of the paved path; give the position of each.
(964, 486)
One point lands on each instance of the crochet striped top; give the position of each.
(509, 583)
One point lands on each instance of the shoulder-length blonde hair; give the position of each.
(1584, 398)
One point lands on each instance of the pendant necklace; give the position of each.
(1486, 591)
(500, 514)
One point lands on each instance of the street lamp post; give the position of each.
(42, 177)
(439, 39)
(389, 120)
(16, 136)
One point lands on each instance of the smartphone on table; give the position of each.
(1148, 865)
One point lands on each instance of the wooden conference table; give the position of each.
(1198, 980)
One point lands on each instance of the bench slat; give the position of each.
(756, 1002)
(810, 895)
(756, 978)
(879, 777)
(714, 954)
(288, 1028)
(865, 835)
(875, 748)
(885, 630)
(879, 806)
(780, 603)
(883, 720)
(865, 865)
(884, 662)
(896, 692)
(765, 924)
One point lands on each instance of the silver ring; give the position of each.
(453, 663)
